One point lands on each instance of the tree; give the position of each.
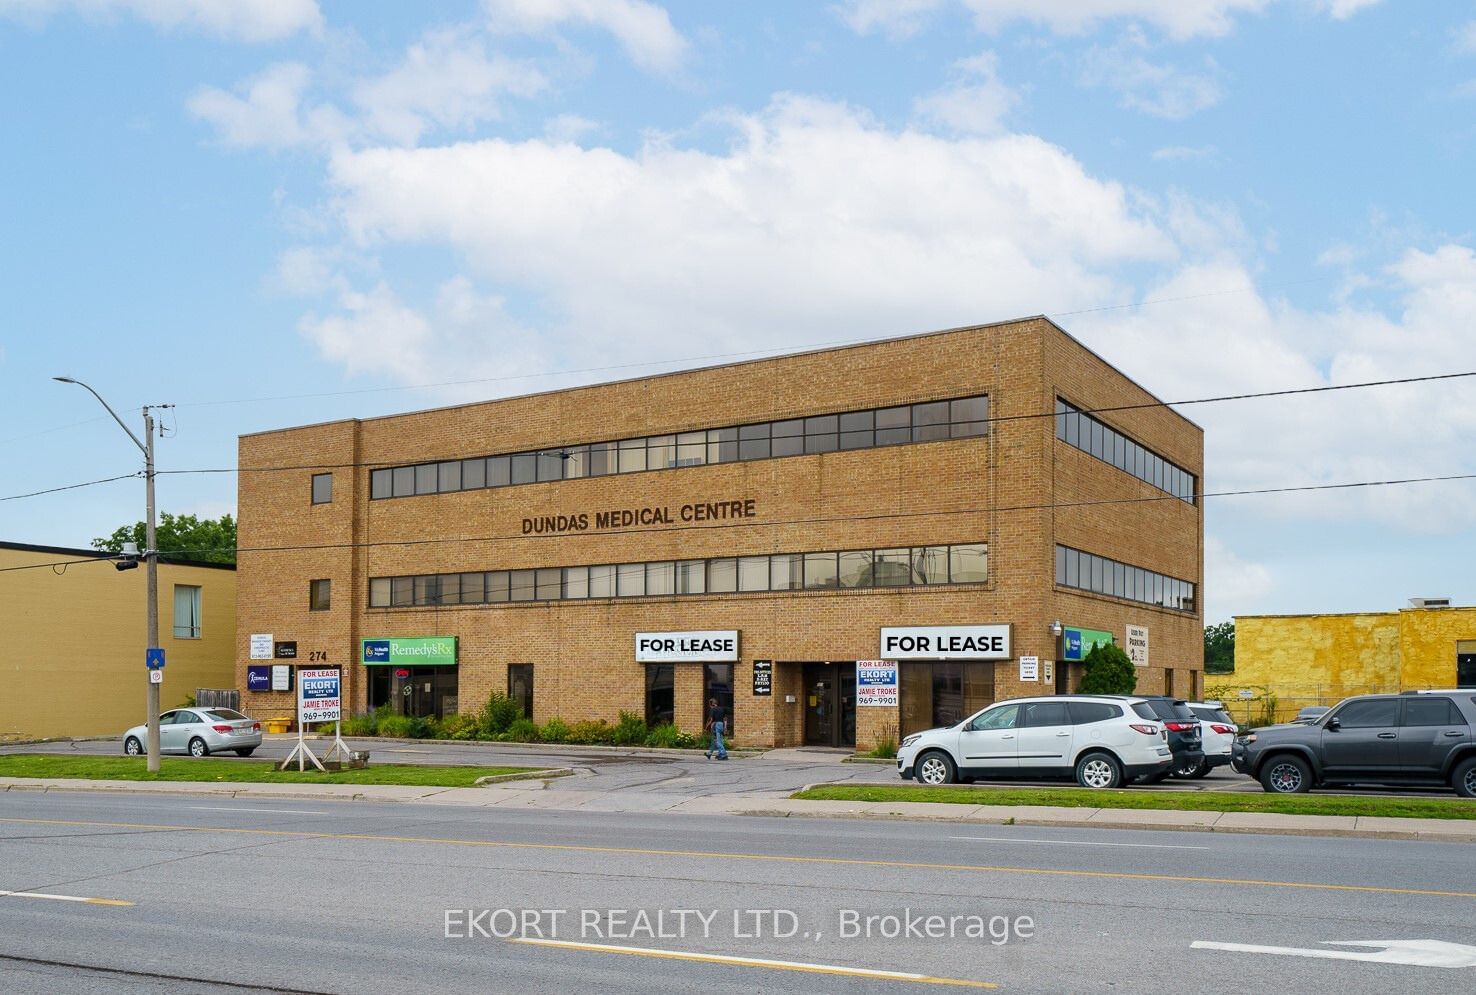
(1219, 648)
(180, 537)
(1107, 670)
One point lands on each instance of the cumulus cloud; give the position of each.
(975, 102)
(1161, 90)
(373, 332)
(1232, 585)
(245, 20)
(446, 82)
(642, 28)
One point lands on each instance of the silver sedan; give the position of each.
(198, 732)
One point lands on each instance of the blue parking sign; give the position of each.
(154, 658)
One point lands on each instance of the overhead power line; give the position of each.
(72, 487)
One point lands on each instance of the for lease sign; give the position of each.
(946, 642)
(876, 683)
(319, 697)
(707, 646)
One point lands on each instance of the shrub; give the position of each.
(555, 730)
(1107, 670)
(460, 726)
(589, 733)
(499, 713)
(630, 730)
(363, 724)
(885, 748)
(523, 731)
(397, 726)
(664, 736)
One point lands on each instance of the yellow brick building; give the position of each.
(1321, 659)
(748, 531)
(75, 639)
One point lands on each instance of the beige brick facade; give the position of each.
(1016, 488)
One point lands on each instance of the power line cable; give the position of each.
(72, 487)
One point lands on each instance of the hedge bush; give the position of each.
(555, 730)
(499, 713)
(590, 733)
(630, 730)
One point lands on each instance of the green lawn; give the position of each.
(213, 770)
(1181, 801)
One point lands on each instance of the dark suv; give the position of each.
(1414, 738)
(1182, 726)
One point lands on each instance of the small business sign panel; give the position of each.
(946, 642)
(154, 658)
(285, 650)
(763, 678)
(259, 678)
(402, 651)
(318, 696)
(1077, 643)
(1029, 668)
(261, 646)
(1137, 644)
(281, 677)
(876, 683)
(705, 646)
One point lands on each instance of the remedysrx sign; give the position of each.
(318, 696)
(945, 642)
(1077, 643)
(422, 651)
(707, 646)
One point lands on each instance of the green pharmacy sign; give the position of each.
(1077, 643)
(417, 651)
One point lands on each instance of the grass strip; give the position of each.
(1176, 801)
(225, 771)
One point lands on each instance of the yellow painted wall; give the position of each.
(1321, 659)
(73, 663)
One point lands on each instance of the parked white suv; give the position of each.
(1218, 730)
(1100, 741)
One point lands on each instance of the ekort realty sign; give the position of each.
(319, 697)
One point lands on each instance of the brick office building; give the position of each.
(747, 531)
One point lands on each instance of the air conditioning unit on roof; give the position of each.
(1429, 602)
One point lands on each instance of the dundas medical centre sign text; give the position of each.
(423, 651)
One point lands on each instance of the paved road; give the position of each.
(345, 897)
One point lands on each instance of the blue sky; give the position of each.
(273, 212)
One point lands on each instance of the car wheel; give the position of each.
(1463, 778)
(132, 746)
(935, 767)
(1098, 770)
(1187, 770)
(246, 752)
(198, 748)
(1286, 775)
(1204, 771)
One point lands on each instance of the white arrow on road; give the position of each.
(1419, 953)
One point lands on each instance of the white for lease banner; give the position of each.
(945, 642)
(707, 646)
(318, 696)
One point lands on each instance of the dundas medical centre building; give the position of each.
(938, 514)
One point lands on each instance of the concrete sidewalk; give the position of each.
(539, 793)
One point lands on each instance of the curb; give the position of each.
(529, 775)
(592, 749)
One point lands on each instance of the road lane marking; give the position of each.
(64, 898)
(1415, 953)
(777, 965)
(1141, 846)
(307, 834)
(273, 811)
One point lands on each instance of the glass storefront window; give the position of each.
(660, 693)
(717, 682)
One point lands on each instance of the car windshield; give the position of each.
(229, 714)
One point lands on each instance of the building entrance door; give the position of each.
(830, 704)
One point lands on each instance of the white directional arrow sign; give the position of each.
(1418, 953)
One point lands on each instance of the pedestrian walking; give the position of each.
(717, 719)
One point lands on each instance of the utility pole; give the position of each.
(150, 554)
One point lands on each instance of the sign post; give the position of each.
(319, 699)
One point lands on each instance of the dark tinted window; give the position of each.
(1369, 713)
(1168, 711)
(1145, 710)
(1432, 712)
(1084, 712)
(1211, 714)
(1045, 713)
(322, 488)
(229, 714)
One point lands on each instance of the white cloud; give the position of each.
(1180, 152)
(373, 333)
(1341, 10)
(643, 29)
(445, 82)
(975, 103)
(568, 128)
(1232, 585)
(1160, 90)
(817, 217)
(895, 18)
(1466, 37)
(246, 20)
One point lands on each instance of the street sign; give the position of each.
(154, 658)
(318, 696)
(156, 677)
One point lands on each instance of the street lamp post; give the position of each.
(150, 553)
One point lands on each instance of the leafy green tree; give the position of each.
(1219, 648)
(1107, 670)
(180, 537)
